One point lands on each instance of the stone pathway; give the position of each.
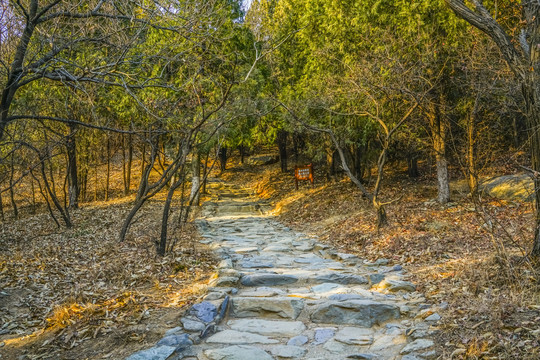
(279, 294)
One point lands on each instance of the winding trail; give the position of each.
(279, 294)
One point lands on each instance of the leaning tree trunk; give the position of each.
(194, 196)
(472, 174)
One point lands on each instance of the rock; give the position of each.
(277, 307)
(267, 280)
(205, 311)
(344, 297)
(288, 352)
(510, 187)
(240, 352)
(277, 248)
(155, 353)
(410, 357)
(263, 292)
(322, 335)
(268, 327)
(364, 356)
(215, 295)
(381, 261)
(355, 336)
(298, 340)
(246, 250)
(224, 264)
(175, 340)
(324, 288)
(433, 317)
(339, 278)
(396, 285)
(376, 278)
(417, 345)
(174, 331)
(250, 264)
(339, 348)
(224, 281)
(364, 313)
(239, 337)
(397, 268)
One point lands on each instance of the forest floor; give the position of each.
(468, 255)
(80, 294)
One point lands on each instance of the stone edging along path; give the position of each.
(279, 294)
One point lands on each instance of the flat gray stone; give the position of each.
(275, 307)
(192, 325)
(224, 281)
(365, 313)
(417, 345)
(256, 265)
(364, 356)
(322, 335)
(204, 311)
(433, 317)
(175, 340)
(344, 297)
(339, 278)
(234, 337)
(298, 340)
(288, 352)
(324, 288)
(268, 327)
(277, 248)
(239, 352)
(396, 285)
(267, 280)
(174, 331)
(339, 348)
(355, 336)
(155, 353)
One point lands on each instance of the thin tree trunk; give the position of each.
(73, 181)
(11, 188)
(108, 181)
(223, 158)
(282, 145)
(165, 218)
(194, 196)
(472, 175)
(2, 207)
(438, 132)
(205, 175)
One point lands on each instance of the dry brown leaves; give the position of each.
(63, 288)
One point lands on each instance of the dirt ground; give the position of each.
(467, 254)
(80, 294)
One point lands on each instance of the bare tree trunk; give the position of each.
(11, 188)
(438, 133)
(108, 181)
(73, 181)
(472, 175)
(165, 218)
(2, 208)
(205, 173)
(194, 196)
(282, 136)
(223, 158)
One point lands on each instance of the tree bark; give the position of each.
(282, 136)
(11, 188)
(223, 158)
(472, 175)
(438, 133)
(194, 196)
(108, 181)
(73, 181)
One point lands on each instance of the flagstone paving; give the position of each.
(279, 294)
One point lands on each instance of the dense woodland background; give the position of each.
(130, 105)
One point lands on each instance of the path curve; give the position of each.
(279, 294)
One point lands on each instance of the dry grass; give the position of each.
(80, 294)
(470, 256)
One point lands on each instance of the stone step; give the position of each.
(274, 308)
(364, 313)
